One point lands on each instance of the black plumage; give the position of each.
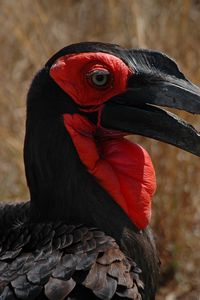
(56, 260)
(72, 241)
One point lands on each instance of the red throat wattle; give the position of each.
(122, 168)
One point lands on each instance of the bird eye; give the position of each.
(100, 78)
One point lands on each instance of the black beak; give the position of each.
(156, 81)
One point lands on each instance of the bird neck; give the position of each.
(63, 176)
(61, 188)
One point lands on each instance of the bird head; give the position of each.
(101, 93)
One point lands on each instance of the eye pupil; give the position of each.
(100, 78)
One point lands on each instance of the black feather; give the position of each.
(92, 260)
(42, 256)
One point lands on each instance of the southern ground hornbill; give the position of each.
(84, 234)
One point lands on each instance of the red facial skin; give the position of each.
(122, 168)
(71, 73)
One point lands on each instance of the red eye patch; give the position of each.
(72, 73)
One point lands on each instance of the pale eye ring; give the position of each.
(100, 78)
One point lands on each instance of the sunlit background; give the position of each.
(31, 31)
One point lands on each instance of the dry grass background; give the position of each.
(31, 31)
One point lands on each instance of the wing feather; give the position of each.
(60, 261)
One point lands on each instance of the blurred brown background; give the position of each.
(31, 31)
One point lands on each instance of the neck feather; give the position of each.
(61, 187)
